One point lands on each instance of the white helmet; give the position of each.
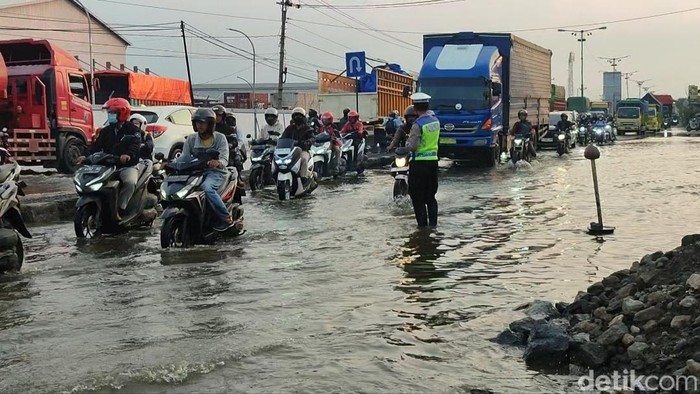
(298, 110)
(141, 119)
(271, 111)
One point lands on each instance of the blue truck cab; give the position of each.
(468, 77)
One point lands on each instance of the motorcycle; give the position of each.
(322, 155)
(693, 124)
(520, 149)
(603, 133)
(583, 135)
(158, 175)
(286, 169)
(399, 170)
(187, 218)
(261, 163)
(98, 186)
(562, 142)
(353, 151)
(11, 248)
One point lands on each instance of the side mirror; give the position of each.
(496, 89)
(159, 156)
(248, 136)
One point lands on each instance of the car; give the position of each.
(169, 125)
(548, 140)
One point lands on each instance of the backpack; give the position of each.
(390, 127)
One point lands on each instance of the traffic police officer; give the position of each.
(423, 177)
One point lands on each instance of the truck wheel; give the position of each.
(490, 157)
(73, 148)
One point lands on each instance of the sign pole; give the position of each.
(357, 94)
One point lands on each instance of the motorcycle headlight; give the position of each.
(96, 186)
(287, 161)
(608, 128)
(561, 137)
(401, 162)
(582, 129)
(518, 141)
(598, 131)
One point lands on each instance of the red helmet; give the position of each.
(353, 114)
(327, 118)
(120, 106)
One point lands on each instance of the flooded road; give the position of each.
(339, 292)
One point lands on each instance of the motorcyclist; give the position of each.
(401, 134)
(222, 126)
(389, 128)
(423, 178)
(328, 128)
(355, 126)
(204, 124)
(146, 151)
(303, 137)
(523, 127)
(344, 119)
(120, 138)
(272, 127)
(565, 125)
(314, 121)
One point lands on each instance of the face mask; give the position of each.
(299, 120)
(271, 121)
(111, 118)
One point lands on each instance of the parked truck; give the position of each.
(46, 110)
(478, 82)
(600, 106)
(557, 100)
(579, 104)
(632, 116)
(140, 89)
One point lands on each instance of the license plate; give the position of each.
(448, 140)
(178, 178)
(91, 170)
(547, 139)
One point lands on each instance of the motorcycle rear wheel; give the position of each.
(85, 222)
(173, 233)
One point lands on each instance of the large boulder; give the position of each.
(547, 346)
(539, 309)
(612, 335)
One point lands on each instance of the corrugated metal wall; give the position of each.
(530, 81)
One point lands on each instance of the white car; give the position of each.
(169, 125)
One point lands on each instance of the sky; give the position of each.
(660, 49)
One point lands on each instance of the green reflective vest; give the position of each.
(430, 138)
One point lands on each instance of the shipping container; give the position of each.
(291, 100)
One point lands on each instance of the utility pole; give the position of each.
(282, 72)
(614, 61)
(187, 61)
(582, 39)
(639, 84)
(627, 81)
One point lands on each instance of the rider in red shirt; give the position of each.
(353, 124)
(327, 127)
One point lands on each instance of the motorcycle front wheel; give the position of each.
(173, 233)
(400, 188)
(318, 169)
(85, 222)
(283, 191)
(256, 179)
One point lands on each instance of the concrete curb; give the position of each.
(58, 209)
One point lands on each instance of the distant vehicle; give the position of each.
(478, 82)
(694, 123)
(654, 120)
(632, 116)
(578, 104)
(600, 106)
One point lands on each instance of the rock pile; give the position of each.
(645, 318)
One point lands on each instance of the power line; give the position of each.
(189, 11)
(403, 4)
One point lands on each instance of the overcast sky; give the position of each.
(661, 49)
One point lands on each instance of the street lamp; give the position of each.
(582, 39)
(92, 61)
(254, 101)
(639, 84)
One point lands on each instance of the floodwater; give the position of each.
(340, 292)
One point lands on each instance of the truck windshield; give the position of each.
(652, 112)
(628, 113)
(448, 92)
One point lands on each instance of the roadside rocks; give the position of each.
(645, 318)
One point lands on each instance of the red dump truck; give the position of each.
(46, 109)
(140, 89)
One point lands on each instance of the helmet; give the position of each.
(313, 113)
(271, 116)
(327, 118)
(522, 112)
(219, 109)
(120, 106)
(298, 110)
(141, 119)
(346, 111)
(564, 116)
(271, 112)
(353, 114)
(206, 115)
(409, 111)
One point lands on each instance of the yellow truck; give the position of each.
(654, 118)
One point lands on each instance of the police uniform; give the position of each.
(423, 174)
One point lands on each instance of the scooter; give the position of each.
(286, 169)
(520, 149)
(98, 186)
(187, 218)
(322, 156)
(11, 248)
(353, 151)
(261, 163)
(157, 175)
(562, 142)
(399, 170)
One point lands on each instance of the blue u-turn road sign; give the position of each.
(355, 64)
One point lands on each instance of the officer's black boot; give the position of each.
(433, 213)
(421, 214)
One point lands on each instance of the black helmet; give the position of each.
(204, 115)
(410, 111)
(564, 116)
(219, 109)
(346, 111)
(522, 112)
(313, 114)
